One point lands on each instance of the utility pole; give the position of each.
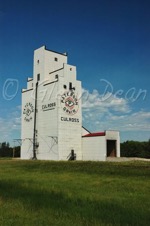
(14, 150)
(35, 131)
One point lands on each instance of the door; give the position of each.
(111, 148)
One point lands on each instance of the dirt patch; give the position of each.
(123, 159)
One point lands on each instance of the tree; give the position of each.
(5, 150)
(135, 149)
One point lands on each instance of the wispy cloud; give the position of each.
(99, 113)
(110, 112)
(103, 102)
(10, 125)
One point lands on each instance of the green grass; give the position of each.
(44, 193)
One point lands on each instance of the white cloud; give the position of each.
(10, 125)
(139, 121)
(110, 112)
(103, 102)
(99, 113)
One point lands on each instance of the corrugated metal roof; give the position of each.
(98, 134)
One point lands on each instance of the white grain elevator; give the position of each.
(51, 109)
(52, 115)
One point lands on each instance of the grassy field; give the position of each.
(44, 193)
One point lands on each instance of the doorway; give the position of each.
(111, 148)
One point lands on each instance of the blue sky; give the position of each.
(108, 41)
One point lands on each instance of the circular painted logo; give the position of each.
(69, 102)
(28, 110)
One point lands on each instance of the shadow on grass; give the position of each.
(108, 212)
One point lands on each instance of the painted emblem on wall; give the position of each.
(28, 112)
(69, 102)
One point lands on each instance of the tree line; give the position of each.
(127, 149)
(135, 149)
(7, 151)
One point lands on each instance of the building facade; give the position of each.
(52, 113)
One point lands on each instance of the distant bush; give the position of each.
(135, 149)
(17, 152)
(7, 151)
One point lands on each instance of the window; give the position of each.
(38, 61)
(56, 59)
(70, 69)
(38, 77)
(56, 76)
(70, 85)
(65, 87)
